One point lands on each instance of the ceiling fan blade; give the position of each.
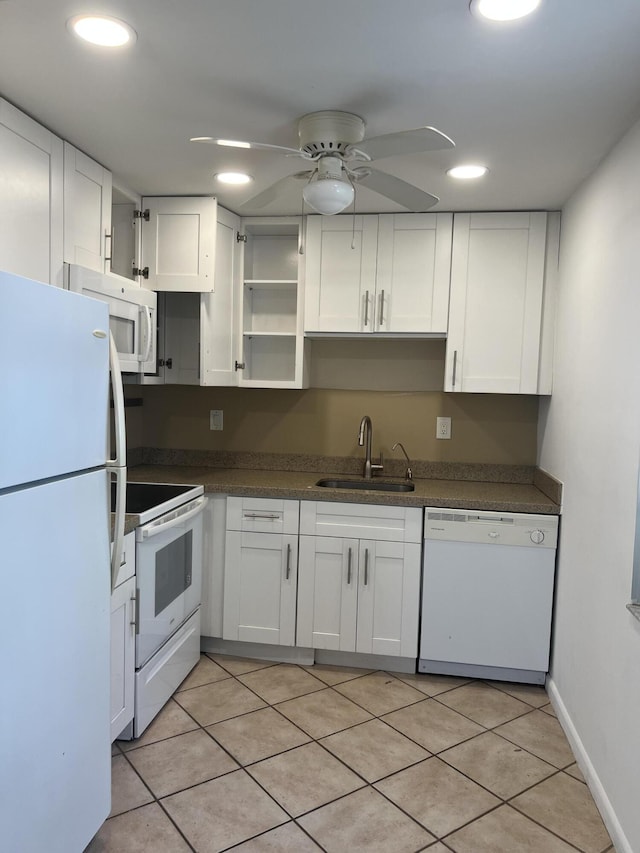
(405, 142)
(271, 193)
(407, 195)
(235, 143)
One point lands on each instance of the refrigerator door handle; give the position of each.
(120, 459)
(118, 534)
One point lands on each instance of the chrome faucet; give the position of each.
(408, 472)
(365, 433)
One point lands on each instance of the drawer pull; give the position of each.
(349, 567)
(266, 516)
(288, 562)
(366, 566)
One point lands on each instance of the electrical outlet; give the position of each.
(443, 427)
(215, 419)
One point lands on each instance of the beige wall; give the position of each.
(485, 428)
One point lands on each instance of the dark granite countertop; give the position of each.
(301, 485)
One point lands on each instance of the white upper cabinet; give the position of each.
(87, 211)
(380, 274)
(31, 198)
(179, 244)
(219, 309)
(501, 309)
(272, 350)
(412, 279)
(340, 256)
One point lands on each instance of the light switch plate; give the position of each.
(216, 420)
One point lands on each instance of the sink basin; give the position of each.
(369, 485)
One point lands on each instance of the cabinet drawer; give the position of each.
(361, 521)
(127, 560)
(262, 515)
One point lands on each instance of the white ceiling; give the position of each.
(539, 101)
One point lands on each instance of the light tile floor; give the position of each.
(256, 757)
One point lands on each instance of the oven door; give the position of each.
(169, 575)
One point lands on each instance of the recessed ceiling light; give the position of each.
(102, 30)
(233, 178)
(467, 171)
(503, 10)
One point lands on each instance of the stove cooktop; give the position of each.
(142, 497)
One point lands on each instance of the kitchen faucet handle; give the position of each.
(378, 466)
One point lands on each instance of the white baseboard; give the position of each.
(592, 779)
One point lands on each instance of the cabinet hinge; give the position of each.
(141, 214)
(241, 238)
(239, 365)
(144, 272)
(168, 363)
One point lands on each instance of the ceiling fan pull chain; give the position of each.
(353, 226)
(301, 230)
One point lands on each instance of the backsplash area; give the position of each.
(486, 428)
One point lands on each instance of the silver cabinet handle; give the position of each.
(133, 600)
(366, 566)
(455, 364)
(381, 308)
(366, 308)
(266, 515)
(288, 562)
(349, 567)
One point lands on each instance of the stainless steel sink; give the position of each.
(368, 485)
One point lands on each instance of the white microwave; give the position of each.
(132, 315)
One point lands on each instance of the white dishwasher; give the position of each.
(487, 594)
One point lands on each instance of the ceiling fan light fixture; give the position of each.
(327, 192)
(467, 172)
(328, 195)
(102, 30)
(236, 178)
(503, 10)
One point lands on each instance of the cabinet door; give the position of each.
(218, 310)
(340, 273)
(179, 243)
(87, 210)
(260, 587)
(327, 593)
(414, 265)
(123, 636)
(495, 313)
(388, 598)
(31, 198)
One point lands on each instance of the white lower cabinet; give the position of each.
(261, 571)
(123, 641)
(359, 594)
(350, 582)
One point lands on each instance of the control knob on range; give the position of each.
(537, 537)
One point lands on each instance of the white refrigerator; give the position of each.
(55, 567)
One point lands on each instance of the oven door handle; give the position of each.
(155, 528)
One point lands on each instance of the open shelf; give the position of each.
(273, 346)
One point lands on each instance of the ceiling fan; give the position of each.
(334, 143)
